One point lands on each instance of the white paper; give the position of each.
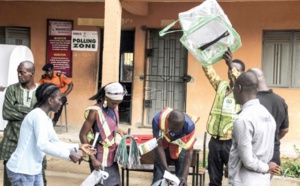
(95, 140)
(175, 181)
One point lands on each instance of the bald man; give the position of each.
(252, 137)
(19, 100)
(277, 108)
(171, 128)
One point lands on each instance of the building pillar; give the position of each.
(111, 45)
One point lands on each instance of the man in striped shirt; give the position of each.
(18, 102)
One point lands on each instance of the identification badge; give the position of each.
(228, 104)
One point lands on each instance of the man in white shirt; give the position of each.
(252, 137)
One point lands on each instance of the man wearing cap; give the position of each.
(65, 85)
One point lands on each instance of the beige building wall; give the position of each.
(85, 64)
(248, 18)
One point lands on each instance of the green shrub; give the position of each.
(291, 167)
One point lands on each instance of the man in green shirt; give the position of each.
(19, 100)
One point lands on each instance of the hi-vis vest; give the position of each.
(223, 112)
(175, 147)
(107, 134)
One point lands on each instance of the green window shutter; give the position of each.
(277, 58)
(18, 36)
(2, 35)
(296, 62)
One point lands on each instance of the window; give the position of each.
(15, 36)
(281, 58)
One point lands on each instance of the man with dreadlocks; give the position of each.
(37, 138)
(103, 117)
(19, 100)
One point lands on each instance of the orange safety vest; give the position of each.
(175, 147)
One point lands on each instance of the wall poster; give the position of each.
(59, 34)
(84, 41)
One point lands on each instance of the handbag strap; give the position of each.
(165, 30)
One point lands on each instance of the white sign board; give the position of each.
(84, 40)
(10, 58)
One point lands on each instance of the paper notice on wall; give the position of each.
(84, 40)
(147, 146)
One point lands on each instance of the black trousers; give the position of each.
(217, 158)
(158, 171)
(58, 113)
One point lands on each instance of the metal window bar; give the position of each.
(18, 41)
(277, 64)
(165, 78)
(165, 72)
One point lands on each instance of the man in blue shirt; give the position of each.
(175, 132)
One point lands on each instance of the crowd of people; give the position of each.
(246, 122)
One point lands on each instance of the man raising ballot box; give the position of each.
(221, 117)
(175, 133)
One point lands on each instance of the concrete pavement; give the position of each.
(60, 172)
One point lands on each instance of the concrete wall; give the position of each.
(85, 64)
(248, 18)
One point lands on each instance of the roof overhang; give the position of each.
(140, 7)
(157, 1)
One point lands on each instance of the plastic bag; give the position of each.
(168, 179)
(207, 32)
(95, 177)
(122, 157)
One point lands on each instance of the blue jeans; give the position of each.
(18, 179)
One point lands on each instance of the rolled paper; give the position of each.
(95, 140)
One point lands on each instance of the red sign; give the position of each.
(59, 45)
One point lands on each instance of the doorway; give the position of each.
(126, 73)
(166, 75)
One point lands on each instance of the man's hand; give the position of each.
(87, 148)
(226, 171)
(84, 156)
(228, 58)
(75, 157)
(96, 164)
(274, 168)
(121, 132)
(183, 182)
